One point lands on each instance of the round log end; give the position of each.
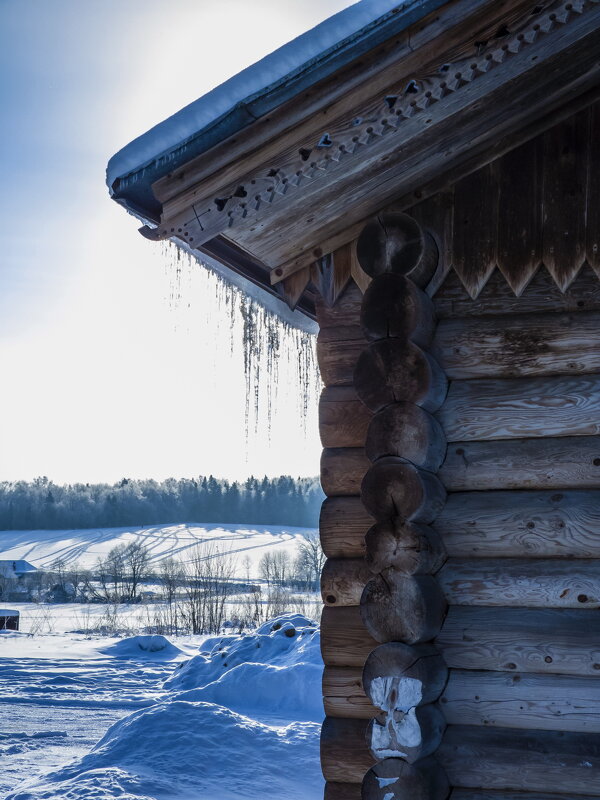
(394, 306)
(396, 675)
(394, 371)
(395, 489)
(395, 242)
(412, 734)
(395, 779)
(407, 431)
(406, 547)
(409, 609)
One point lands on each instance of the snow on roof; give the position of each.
(264, 85)
(8, 612)
(18, 565)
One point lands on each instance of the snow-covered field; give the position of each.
(246, 544)
(192, 719)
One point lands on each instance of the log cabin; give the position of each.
(422, 179)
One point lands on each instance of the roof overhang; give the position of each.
(421, 96)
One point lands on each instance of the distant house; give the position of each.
(9, 619)
(15, 568)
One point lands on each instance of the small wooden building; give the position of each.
(427, 187)
(9, 619)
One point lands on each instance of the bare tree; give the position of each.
(309, 560)
(208, 576)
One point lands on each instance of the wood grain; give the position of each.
(497, 298)
(407, 548)
(513, 408)
(543, 761)
(394, 306)
(337, 357)
(562, 463)
(546, 524)
(343, 581)
(558, 641)
(407, 431)
(396, 489)
(345, 642)
(344, 695)
(342, 470)
(518, 345)
(343, 524)
(514, 582)
(395, 779)
(343, 791)
(509, 700)
(345, 756)
(343, 418)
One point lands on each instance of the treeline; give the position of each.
(269, 501)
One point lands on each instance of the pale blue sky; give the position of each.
(101, 377)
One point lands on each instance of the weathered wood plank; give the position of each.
(491, 794)
(337, 357)
(343, 524)
(525, 582)
(474, 239)
(344, 694)
(343, 418)
(565, 176)
(345, 642)
(592, 245)
(561, 641)
(535, 344)
(520, 214)
(541, 295)
(498, 524)
(511, 408)
(543, 761)
(346, 311)
(342, 470)
(562, 463)
(509, 700)
(345, 756)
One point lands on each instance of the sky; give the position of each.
(113, 363)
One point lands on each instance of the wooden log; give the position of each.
(337, 357)
(518, 345)
(342, 470)
(568, 462)
(395, 242)
(411, 735)
(394, 306)
(404, 676)
(524, 582)
(493, 794)
(343, 581)
(345, 311)
(345, 756)
(394, 371)
(497, 298)
(512, 408)
(403, 608)
(344, 695)
(407, 547)
(551, 640)
(394, 489)
(331, 273)
(396, 779)
(407, 431)
(508, 700)
(543, 761)
(342, 526)
(518, 524)
(343, 418)
(342, 791)
(345, 642)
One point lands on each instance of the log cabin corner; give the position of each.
(422, 179)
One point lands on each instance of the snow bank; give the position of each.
(143, 646)
(240, 719)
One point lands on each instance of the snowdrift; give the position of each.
(240, 719)
(143, 646)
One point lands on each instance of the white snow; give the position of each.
(241, 718)
(83, 547)
(275, 68)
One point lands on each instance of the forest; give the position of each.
(43, 504)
